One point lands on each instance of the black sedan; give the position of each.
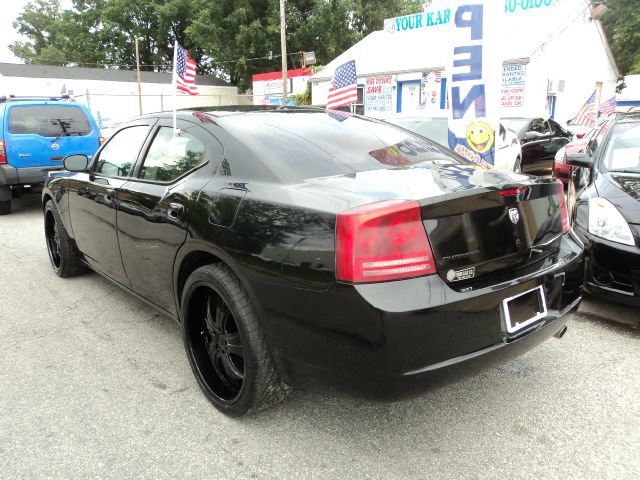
(540, 139)
(607, 210)
(311, 249)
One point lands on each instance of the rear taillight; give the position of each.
(3, 152)
(562, 205)
(382, 241)
(511, 191)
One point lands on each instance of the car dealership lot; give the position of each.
(94, 383)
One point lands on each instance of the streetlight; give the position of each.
(138, 75)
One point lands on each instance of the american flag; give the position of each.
(344, 86)
(587, 114)
(609, 107)
(185, 72)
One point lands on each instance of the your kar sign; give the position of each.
(474, 89)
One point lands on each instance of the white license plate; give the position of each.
(524, 309)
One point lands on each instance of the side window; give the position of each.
(540, 126)
(121, 152)
(171, 156)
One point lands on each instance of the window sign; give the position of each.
(378, 94)
(513, 86)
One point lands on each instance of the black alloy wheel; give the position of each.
(219, 342)
(225, 344)
(62, 253)
(53, 239)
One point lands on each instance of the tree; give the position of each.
(621, 24)
(231, 38)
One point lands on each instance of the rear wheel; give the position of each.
(225, 344)
(5, 200)
(64, 259)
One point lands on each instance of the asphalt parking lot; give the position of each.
(95, 384)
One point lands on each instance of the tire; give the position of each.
(5, 207)
(517, 166)
(225, 344)
(62, 254)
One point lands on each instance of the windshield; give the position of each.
(436, 129)
(623, 148)
(515, 124)
(48, 120)
(319, 144)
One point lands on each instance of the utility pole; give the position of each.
(138, 74)
(283, 47)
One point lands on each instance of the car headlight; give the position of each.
(607, 222)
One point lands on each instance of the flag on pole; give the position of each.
(609, 107)
(587, 114)
(185, 72)
(344, 86)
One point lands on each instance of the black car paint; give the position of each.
(538, 151)
(612, 269)
(382, 340)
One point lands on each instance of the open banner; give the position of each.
(474, 86)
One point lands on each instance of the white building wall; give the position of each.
(113, 102)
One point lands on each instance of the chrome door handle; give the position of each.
(24, 155)
(175, 210)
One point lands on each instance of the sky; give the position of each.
(10, 11)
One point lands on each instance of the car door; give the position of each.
(534, 155)
(94, 196)
(155, 205)
(560, 137)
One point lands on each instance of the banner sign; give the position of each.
(378, 94)
(432, 17)
(513, 81)
(474, 87)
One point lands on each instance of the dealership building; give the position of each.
(554, 54)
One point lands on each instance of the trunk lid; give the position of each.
(484, 226)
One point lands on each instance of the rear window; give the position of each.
(49, 120)
(317, 144)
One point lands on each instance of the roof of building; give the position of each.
(81, 73)
(521, 36)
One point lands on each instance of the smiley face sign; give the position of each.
(480, 136)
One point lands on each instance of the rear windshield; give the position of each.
(48, 120)
(436, 129)
(318, 144)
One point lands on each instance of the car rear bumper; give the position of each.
(612, 269)
(395, 340)
(10, 176)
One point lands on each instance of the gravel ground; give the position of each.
(95, 384)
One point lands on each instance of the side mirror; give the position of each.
(580, 135)
(579, 160)
(76, 163)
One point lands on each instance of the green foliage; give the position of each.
(622, 25)
(224, 36)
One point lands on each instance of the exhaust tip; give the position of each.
(560, 333)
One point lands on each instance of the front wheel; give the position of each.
(225, 344)
(62, 254)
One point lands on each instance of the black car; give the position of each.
(312, 249)
(540, 139)
(607, 210)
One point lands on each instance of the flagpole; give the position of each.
(175, 86)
